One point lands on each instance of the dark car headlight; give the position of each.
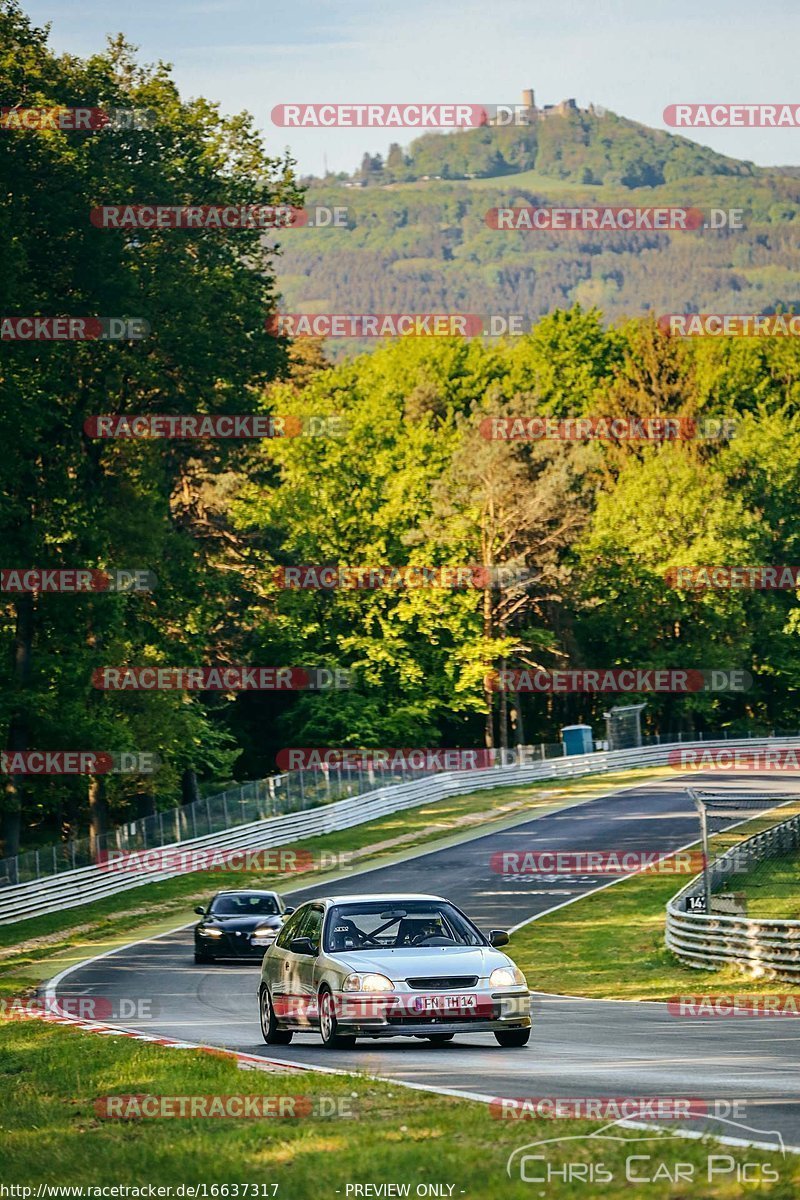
(209, 931)
(264, 934)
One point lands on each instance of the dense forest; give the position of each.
(404, 476)
(428, 247)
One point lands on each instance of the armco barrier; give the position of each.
(72, 888)
(709, 941)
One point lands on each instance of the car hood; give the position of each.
(418, 961)
(244, 923)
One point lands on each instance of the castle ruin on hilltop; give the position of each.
(528, 110)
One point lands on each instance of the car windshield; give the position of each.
(395, 925)
(244, 906)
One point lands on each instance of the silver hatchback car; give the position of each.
(390, 966)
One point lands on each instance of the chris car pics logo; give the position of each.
(620, 1152)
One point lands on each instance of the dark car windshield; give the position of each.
(394, 925)
(244, 906)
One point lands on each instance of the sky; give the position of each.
(631, 56)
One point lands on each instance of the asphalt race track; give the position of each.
(578, 1047)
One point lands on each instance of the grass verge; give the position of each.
(772, 888)
(52, 1133)
(610, 945)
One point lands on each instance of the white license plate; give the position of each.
(446, 1003)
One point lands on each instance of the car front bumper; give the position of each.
(231, 946)
(357, 1013)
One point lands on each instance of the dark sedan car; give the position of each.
(238, 925)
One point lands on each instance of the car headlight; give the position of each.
(371, 982)
(209, 931)
(264, 932)
(507, 977)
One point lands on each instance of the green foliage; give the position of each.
(410, 479)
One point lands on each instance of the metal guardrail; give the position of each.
(708, 941)
(293, 791)
(72, 888)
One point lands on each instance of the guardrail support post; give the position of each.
(701, 809)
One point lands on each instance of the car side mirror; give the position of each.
(498, 937)
(201, 912)
(302, 945)
(287, 912)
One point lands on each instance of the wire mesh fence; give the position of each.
(753, 851)
(258, 800)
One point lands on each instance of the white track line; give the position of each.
(479, 1097)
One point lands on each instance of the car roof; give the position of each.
(244, 892)
(376, 897)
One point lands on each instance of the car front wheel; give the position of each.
(272, 1035)
(201, 957)
(329, 1026)
(513, 1037)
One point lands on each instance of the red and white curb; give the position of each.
(246, 1062)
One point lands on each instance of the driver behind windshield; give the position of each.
(372, 926)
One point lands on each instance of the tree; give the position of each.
(69, 500)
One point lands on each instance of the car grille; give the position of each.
(431, 1020)
(235, 945)
(434, 983)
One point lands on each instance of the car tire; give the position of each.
(513, 1037)
(439, 1039)
(272, 1035)
(329, 1026)
(200, 957)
